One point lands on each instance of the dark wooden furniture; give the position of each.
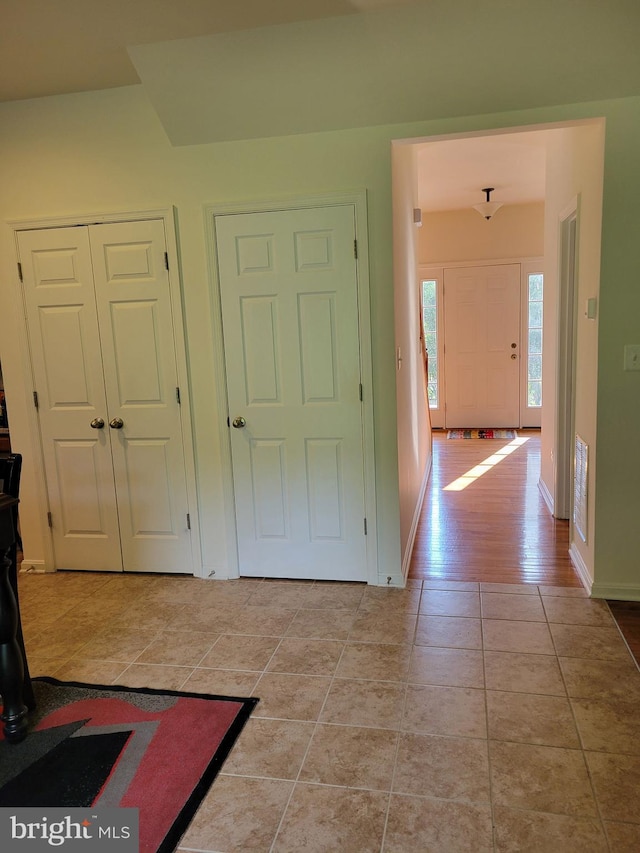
(15, 682)
(14, 711)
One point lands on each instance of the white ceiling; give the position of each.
(452, 173)
(51, 47)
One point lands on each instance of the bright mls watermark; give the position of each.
(103, 830)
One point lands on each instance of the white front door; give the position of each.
(482, 346)
(102, 343)
(290, 317)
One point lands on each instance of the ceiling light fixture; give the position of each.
(487, 208)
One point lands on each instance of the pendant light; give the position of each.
(487, 208)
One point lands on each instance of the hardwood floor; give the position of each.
(484, 518)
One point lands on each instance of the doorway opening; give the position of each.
(549, 169)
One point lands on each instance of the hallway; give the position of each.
(484, 518)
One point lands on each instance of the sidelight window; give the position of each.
(430, 324)
(534, 349)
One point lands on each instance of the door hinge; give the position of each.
(166, 260)
(365, 527)
(360, 392)
(36, 403)
(178, 395)
(188, 521)
(355, 249)
(20, 271)
(49, 519)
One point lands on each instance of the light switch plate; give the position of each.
(632, 357)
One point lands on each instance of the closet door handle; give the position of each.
(116, 423)
(97, 423)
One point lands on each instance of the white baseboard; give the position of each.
(395, 581)
(217, 573)
(37, 567)
(617, 592)
(581, 568)
(546, 495)
(406, 562)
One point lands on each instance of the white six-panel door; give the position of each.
(482, 346)
(290, 318)
(102, 346)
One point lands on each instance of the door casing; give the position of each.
(567, 336)
(359, 200)
(168, 216)
(435, 271)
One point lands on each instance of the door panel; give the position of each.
(82, 498)
(482, 346)
(290, 317)
(325, 477)
(134, 327)
(134, 310)
(261, 380)
(67, 366)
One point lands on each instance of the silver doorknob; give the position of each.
(238, 423)
(97, 423)
(116, 423)
(513, 355)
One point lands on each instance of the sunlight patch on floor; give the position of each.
(483, 467)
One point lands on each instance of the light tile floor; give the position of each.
(445, 717)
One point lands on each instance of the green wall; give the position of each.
(107, 152)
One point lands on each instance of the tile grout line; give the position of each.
(486, 711)
(401, 729)
(296, 781)
(580, 738)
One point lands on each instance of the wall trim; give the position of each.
(92, 218)
(582, 570)
(216, 572)
(406, 562)
(357, 198)
(491, 262)
(35, 567)
(546, 495)
(618, 592)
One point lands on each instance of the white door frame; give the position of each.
(357, 198)
(568, 225)
(436, 271)
(168, 215)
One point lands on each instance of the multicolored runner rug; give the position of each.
(482, 433)
(154, 750)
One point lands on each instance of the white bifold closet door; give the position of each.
(101, 335)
